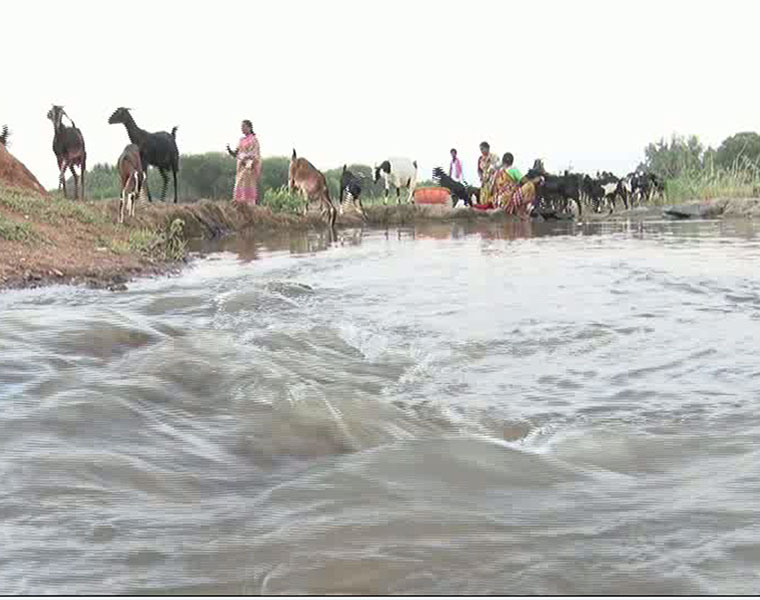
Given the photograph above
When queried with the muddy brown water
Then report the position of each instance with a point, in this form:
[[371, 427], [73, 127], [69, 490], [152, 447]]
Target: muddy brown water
[[445, 409]]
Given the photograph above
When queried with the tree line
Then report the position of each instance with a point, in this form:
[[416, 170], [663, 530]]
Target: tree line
[[686, 155], [212, 175]]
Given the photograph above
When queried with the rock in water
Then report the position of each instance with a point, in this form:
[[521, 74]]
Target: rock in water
[[690, 211]]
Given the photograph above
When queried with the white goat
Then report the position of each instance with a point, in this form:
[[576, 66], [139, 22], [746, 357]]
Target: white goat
[[399, 172]]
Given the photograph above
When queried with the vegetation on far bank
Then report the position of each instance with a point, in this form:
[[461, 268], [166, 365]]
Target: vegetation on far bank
[[693, 172], [211, 176], [690, 170]]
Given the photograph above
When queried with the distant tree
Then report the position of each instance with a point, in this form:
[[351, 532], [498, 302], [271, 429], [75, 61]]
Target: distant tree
[[274, 172], [670, 159], [738, 147], [212, 176]]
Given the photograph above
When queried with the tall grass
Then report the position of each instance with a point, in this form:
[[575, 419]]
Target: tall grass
[[740, 180]]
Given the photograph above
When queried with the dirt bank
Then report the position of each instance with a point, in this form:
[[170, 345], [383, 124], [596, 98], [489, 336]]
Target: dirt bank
[[14, 173], [46, 239]]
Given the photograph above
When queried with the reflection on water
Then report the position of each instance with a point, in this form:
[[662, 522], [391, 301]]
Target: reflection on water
[[520, 408]]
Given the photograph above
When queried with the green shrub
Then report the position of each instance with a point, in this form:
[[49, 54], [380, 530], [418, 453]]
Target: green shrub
[[280, 200], [13, 231]]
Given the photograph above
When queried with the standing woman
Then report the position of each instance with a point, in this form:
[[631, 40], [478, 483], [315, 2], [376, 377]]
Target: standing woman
[[488, 163], [248, 157]]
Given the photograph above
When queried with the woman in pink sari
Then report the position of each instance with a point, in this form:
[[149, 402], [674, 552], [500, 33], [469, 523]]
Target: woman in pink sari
[[248, 157]]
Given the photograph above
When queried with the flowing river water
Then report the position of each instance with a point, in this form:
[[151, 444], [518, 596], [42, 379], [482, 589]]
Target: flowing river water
[[445, 409]]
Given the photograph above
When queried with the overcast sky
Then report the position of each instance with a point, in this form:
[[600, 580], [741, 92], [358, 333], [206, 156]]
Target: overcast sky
[[583, 83]]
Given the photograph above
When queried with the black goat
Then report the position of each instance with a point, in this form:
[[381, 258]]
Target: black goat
[[647, 185], [4, 136], [554, 191], [592, 189], [352, 185], [158, 149], [459, 191]]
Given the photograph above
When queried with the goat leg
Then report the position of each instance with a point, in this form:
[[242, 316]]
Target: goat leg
[[76, 181], [82, 169], [62, 177], [174, 173], [147, 188], [333, 214], [165, 177]]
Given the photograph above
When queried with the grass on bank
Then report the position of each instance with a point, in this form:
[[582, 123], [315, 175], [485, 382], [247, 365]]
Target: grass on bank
[[741, 180], [13, 231], [53, 209], [279, 200], [167, 244], [162, 238]]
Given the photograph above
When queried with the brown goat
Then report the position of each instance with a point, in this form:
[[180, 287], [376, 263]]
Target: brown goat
[[305, 177], [68, 146], [132, 178]]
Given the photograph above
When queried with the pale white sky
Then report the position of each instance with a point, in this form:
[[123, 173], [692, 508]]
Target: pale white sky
[[580, 82]]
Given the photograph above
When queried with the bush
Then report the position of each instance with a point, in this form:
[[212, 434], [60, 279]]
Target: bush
[[13, 231], [280, 200]]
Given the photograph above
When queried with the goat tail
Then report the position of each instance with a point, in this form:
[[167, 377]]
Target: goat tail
[[414, 162], [294, 154], [174, 132]]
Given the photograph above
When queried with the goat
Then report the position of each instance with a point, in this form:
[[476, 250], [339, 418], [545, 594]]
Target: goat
[[613, 187], [646, 186], [351, 185], [401, 172], [132, 178], [459, 191], [158, 149], [306, 178], [69, 150], [4, 136], [556, 189], [593, 191]]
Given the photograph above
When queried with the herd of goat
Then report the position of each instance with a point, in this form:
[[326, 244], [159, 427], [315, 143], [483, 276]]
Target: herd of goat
[[554, 193]]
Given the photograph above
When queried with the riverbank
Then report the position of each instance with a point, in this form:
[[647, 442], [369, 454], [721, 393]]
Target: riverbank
[[48, 240]]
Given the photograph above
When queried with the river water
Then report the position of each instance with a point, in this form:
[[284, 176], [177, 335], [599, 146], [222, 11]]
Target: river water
[[450, 409]]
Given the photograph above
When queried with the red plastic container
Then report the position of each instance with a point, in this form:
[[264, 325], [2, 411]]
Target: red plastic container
[[432, 195]]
